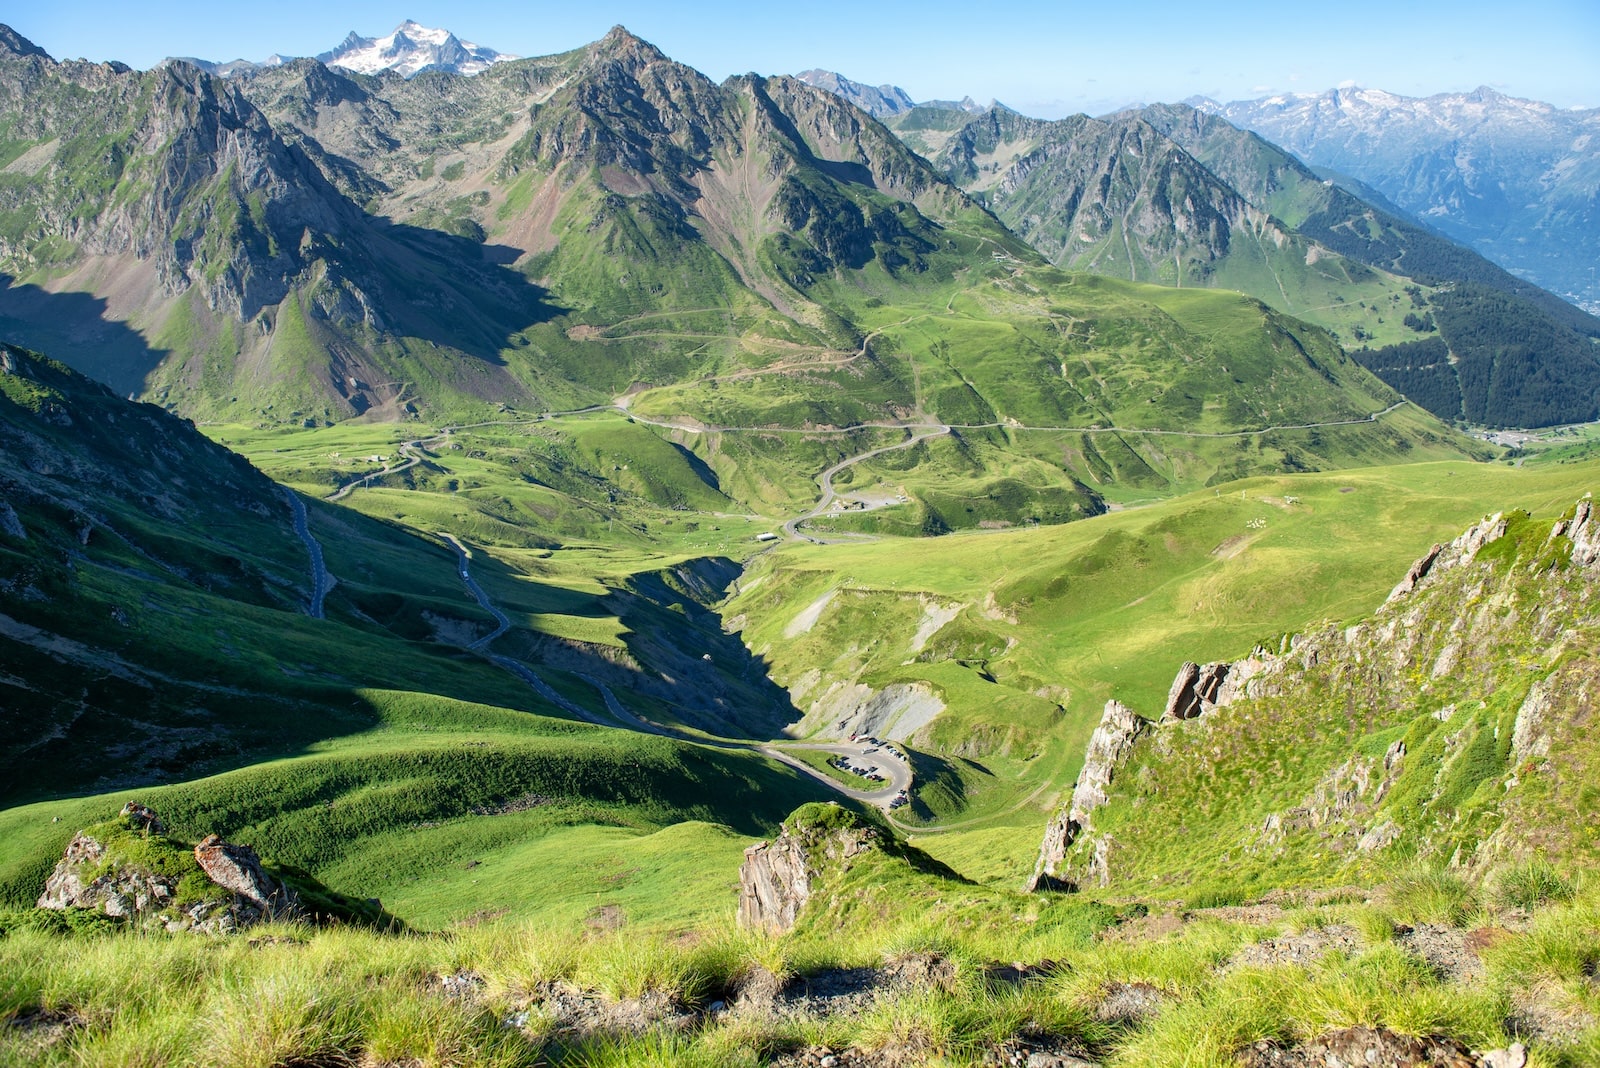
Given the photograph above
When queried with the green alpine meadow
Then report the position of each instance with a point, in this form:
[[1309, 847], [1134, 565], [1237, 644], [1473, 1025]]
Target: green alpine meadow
[[567, 561]]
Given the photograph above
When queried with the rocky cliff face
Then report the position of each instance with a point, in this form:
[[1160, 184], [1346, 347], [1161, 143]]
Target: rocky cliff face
[[224, 262], [1115, 196], [777, 878], [171, 167], [1109, 746], [1451, 725]]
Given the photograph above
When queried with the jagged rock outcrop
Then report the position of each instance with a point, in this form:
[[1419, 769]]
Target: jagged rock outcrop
[[1583, 532], [1119, 727], [1460, 551], [1194, 690], [1415, 573], [777, 877], [127, 869]]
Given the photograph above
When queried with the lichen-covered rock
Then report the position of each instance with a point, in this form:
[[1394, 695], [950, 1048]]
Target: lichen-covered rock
[[1529, 734], [83, 880], [237, 869], [777, 877]]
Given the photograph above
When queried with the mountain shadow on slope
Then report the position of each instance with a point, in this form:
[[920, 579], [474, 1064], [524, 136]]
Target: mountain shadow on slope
[[77, 326]]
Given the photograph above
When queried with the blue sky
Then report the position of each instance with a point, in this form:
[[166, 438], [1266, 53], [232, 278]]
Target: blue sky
[[1044, 58]]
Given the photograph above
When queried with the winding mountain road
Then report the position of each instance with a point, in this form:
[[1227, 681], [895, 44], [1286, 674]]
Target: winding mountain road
[[825, 480], [502, 621]]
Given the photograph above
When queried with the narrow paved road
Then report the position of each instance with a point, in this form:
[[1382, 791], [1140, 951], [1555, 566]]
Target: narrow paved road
[[502, 621], [542, 688], [825, 480], [321, 581]]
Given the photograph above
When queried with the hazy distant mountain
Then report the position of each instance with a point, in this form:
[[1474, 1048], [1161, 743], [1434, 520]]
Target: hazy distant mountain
[[232, 67], [1519, 180], [878, 100], [887, 101], [966, 104], [410, 49]]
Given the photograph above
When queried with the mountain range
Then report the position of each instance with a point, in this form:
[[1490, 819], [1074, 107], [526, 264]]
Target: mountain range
[[585, 564], [1514, 179], [1176, 196], [1518, 180], [304, 245]]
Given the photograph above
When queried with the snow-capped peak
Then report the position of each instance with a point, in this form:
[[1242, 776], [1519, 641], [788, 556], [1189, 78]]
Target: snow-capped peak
[[410, 48]]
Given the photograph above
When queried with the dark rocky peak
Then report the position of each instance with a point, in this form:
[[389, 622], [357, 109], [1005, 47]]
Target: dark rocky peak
[[619, 45], [13, 43], [352, 41], [835, 135], [320, 85]]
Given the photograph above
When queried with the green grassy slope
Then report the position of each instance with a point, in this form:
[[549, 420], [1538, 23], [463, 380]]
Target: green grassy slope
[[449, 810], [1046, 625], [155, 632]]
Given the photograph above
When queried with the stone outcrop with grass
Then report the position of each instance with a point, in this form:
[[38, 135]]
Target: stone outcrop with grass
[[128, 869], [1119, 728], [775, 880]]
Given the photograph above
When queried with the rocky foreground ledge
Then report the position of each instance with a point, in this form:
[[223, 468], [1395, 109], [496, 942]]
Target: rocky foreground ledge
[[130, 870]]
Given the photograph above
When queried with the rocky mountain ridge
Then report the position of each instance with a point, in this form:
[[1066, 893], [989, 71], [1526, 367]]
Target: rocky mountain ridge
[[878, 101], [224, 248], [1448, 727]]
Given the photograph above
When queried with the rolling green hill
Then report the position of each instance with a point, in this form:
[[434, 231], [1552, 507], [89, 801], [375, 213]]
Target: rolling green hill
[[158, 629], [1176, 196], [1521, 356]]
